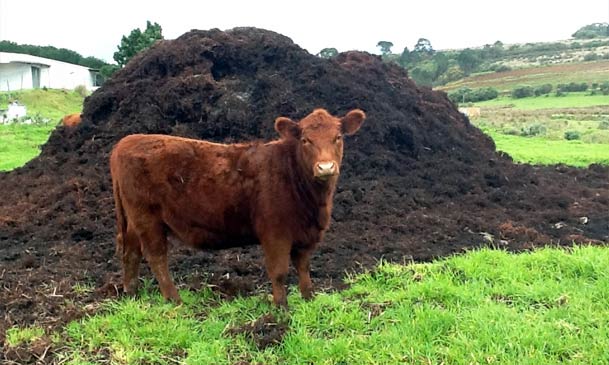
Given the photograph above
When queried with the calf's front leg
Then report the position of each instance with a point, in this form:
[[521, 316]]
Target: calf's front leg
[[277, 262], [301, 259]]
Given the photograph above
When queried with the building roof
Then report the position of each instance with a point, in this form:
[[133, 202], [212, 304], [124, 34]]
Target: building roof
[[7, 57]]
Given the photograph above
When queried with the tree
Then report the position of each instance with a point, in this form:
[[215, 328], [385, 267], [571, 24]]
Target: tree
[[136, 42], [405, 58], [453, 73], [423, 74], [594, 30], [107, 70], [423, 46], [441, 62], [385, 47], [328, 53], [468, 60]]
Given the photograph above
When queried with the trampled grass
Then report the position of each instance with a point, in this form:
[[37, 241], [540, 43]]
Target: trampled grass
[[543, 151], [485, 307]]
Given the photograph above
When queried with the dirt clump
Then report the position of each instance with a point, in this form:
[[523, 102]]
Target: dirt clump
[[263, 332], [419, 181]]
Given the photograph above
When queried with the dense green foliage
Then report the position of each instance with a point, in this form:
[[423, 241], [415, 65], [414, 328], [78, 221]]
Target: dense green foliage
[[136, 42], [53, 53], [543, 89], [522, 92], [572, 87], [547, 306], [595, 30], [467, 95]]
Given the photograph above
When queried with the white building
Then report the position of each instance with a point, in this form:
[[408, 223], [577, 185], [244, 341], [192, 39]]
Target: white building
[[22, 71]]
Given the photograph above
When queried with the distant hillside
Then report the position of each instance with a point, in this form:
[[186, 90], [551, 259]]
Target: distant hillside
[[436, 68], [562, 73]]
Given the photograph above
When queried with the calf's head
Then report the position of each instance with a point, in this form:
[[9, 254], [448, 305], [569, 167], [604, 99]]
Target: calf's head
[[319, 140]]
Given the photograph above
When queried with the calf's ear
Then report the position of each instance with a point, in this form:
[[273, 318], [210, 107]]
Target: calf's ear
[[351, 122], [287, 128]]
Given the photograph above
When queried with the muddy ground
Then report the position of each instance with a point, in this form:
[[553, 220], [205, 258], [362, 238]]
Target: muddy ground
[[418, 181]]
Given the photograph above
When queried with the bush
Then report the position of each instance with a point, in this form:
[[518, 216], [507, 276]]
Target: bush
[[603, 124], [572, 87], [604, 87], [467, 95], [511, 131], [522, 92], [498, 67], [591, 57], [485, 93], [572, 135], [543, 89], [534, 129], [81, 90]]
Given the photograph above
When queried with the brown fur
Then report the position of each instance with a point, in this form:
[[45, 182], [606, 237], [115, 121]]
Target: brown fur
[[210, 195], [71, 120]]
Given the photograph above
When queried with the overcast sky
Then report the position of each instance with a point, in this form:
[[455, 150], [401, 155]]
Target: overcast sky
[[94, 28]]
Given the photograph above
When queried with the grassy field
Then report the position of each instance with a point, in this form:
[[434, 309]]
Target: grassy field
[[571, 100], [544, 151], [485, 307], [511, 123], [589, 72], [52, 104], [19, 143]]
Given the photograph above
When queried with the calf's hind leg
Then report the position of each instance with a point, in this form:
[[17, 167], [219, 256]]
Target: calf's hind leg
[[131, 255], [154, 244]]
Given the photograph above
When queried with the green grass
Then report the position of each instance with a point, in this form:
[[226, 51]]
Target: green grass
[[19, 143], [571, 100], [52, 104], [543, 151], [18, 336], [486, 307]]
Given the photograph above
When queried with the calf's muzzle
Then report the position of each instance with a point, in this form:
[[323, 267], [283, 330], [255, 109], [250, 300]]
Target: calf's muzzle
[[326, 169]]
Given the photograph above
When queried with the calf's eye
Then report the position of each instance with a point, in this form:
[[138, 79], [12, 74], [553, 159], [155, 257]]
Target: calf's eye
[[338, 138]]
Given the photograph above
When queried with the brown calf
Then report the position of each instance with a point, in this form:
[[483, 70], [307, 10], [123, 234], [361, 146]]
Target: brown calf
[[71, 120], [210, 195]]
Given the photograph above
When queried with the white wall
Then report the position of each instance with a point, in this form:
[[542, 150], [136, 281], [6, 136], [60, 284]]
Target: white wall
[[16, 67], [15, 76]]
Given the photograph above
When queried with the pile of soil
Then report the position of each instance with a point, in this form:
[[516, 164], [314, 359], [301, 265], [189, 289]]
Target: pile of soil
[[418, 180]]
